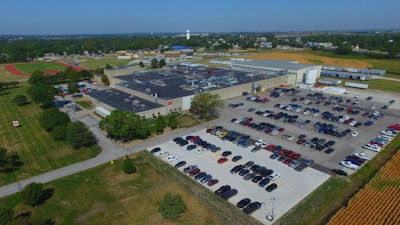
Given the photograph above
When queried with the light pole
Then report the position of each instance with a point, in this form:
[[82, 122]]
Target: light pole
[[270, 217]]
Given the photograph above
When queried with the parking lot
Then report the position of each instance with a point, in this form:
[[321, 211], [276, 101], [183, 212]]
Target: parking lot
[[293, 185]]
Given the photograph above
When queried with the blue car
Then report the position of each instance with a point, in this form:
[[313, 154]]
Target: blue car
[[368, 123], [264, 182], [191, 147], [244, 172]]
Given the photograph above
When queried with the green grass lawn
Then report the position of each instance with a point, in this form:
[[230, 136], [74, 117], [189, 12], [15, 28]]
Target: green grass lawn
[[38, 151], [106, 195], [43, 66], [84, 104], [96, 63], [376, 84]]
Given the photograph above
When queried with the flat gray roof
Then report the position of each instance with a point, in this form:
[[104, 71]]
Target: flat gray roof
[[273, 63]]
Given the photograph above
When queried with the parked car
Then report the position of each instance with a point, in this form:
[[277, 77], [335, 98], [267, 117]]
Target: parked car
[[274, 176], [339, 172], [236, 158], [222, 160], [226, 153], [229, 194], [252, 207], [271, 187], [222, 189], [243, 203], [180, 164], [349, 164], [212, 182], [155, 150]]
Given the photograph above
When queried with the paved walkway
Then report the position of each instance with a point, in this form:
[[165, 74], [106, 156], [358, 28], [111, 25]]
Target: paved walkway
[[110, 151]]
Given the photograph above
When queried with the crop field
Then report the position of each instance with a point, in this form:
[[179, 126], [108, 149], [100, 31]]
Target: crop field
[[378, 202], [307, 58], [43, 66], [106, 195], [39, 153]]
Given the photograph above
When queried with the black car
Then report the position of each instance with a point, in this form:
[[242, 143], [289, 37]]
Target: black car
[[236, 158], [236, 169], [329, 144], [180, 164], [228, 194], [339, 172], [226, 153], [271, 187], [244, 202], [155, 150], [264, 182], [200, 175], [329, 150], [222, 189], [252, 207], [248, 164], [256, 179]]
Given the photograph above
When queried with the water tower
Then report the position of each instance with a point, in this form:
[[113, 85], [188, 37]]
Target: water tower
[[187, 34]]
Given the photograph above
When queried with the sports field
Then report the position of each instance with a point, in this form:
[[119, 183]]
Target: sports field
[[43, 66]]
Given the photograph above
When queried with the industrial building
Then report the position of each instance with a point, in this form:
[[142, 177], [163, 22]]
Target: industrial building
[[173, 88], [350, 73]]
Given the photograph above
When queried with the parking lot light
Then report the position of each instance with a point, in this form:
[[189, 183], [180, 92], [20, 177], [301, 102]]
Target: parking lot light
[[270, 216]]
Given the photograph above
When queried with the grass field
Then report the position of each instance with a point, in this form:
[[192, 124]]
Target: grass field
[[105, 195], [84, 104], [43, 66], [96, 63], [38, 151]]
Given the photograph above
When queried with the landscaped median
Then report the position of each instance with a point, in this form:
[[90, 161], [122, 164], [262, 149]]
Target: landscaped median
[[336, 192]]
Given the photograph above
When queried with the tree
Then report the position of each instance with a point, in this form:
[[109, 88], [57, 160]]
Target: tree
[[141, 64], [6, 215], [105, 80], [79, 135], [43, 94], [172, 206], [162, 63], [344, 49], [52, 117], [108, 67], [205, 104], [32, 194], [20, 100], [160, 124], [125, 126], [9, 162], [73, 88], [154, 63], [128, 167], [37, 77], [59, 132]]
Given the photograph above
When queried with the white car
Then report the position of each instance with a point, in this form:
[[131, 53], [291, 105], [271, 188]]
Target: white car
[[348, 164], [201, 150], [238, 121], [362, 156], [172, 158], [355, 133], [356, 96], [274, 176], [163, 154], [373, 148], [306, 112], [259, 142], [373, 107], [388, 133], [264, 145], [352, 123]]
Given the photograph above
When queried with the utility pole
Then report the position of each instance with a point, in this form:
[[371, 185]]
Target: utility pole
[[271, 216]]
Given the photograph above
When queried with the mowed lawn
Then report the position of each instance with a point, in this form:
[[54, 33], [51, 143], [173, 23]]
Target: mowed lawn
[[39, 153], [43, 66], [96, 63], [106, 195], [6, 76]]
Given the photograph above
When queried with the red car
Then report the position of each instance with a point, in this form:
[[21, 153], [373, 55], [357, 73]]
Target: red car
[[222, 160], [194, 172], [283, 152], [365, 114], [296, 156], [395, 126], [208, 130], [195, 138], [270, 147], [301, 99], [280, 130], [301, 141], [212, 182], [290, 153], [287, 161]]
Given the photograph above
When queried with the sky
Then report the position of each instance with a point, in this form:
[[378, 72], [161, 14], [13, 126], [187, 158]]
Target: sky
[[57, 17]]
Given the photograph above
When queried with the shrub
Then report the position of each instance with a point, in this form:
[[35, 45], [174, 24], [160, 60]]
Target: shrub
[[6, 215], [32, 194], [128, 167], [172, 206]]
